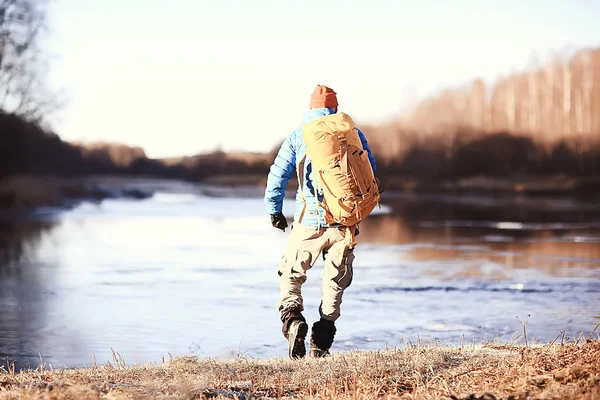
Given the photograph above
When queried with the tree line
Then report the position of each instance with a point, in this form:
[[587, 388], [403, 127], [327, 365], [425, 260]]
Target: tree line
[[554, 101], [549, 115]]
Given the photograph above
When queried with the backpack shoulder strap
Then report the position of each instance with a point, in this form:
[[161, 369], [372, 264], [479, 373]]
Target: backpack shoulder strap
[[301, 186]]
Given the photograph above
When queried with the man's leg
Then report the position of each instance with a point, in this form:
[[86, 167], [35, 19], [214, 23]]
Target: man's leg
[[303, 249], [337, 276]]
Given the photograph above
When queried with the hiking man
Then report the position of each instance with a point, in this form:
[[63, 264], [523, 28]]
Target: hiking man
[[311, 234]]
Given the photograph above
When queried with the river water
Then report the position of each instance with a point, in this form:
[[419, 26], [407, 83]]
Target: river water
[[193, 271]]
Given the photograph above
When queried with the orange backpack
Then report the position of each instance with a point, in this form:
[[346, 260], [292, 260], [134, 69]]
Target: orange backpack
[[341, 168]]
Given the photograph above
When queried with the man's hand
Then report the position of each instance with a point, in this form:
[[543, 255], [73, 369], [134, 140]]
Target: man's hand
[[278, 221]]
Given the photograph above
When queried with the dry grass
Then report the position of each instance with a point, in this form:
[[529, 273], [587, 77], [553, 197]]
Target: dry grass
[[19, 192], [552, 371], [22, 192]]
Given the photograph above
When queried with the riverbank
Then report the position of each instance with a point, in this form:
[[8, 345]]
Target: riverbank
[[24, 193], [551, 371], [552, 185]]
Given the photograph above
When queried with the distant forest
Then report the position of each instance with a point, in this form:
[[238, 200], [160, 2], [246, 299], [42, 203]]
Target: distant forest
[[542, 121]]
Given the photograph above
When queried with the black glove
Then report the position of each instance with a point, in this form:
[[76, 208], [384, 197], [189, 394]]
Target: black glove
[[278, 221]]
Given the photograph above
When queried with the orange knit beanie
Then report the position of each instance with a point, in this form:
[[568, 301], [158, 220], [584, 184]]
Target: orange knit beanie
[[323, 97]]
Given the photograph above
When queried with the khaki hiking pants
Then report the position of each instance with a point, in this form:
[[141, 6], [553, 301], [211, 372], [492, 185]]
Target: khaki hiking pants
[[304, 246]]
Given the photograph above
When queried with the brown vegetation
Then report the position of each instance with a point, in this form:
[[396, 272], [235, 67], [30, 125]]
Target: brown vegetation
[[214, 164], [118, 154], [548, 103], [539, 122], [26, 192], [552, 371], [23, 193], [28, 149]]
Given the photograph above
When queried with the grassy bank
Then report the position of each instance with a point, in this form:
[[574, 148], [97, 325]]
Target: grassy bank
[[22, 193], [552, 371]]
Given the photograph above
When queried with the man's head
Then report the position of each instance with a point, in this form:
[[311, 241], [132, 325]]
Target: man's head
[[323, 97]]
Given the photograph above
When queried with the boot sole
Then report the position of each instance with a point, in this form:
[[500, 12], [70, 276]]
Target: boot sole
[[318, 353], [296, 338]]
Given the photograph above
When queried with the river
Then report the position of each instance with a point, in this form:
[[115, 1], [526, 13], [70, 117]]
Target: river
[[192, 270]]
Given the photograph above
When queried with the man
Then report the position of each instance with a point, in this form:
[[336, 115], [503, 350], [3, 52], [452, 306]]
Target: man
[[309, 238]]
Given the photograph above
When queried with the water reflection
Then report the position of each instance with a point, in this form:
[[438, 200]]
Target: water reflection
[[551, 240], [17, 238], [23, 287]]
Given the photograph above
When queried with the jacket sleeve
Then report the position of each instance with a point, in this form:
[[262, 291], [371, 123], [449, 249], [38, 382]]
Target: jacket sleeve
[[365, 145], [279, 175]]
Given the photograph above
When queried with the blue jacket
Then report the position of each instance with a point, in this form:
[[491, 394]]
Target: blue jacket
[[289, 156]]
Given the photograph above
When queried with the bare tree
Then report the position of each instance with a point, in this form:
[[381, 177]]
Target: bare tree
[[478, 106], [22, 64]]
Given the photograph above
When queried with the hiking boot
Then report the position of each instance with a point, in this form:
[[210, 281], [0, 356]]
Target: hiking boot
[[296, 334], [321, 338], [315, 352]]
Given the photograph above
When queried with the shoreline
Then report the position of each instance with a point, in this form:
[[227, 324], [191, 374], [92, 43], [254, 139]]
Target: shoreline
[[484, 185], [22, 194], [550, 371], [26, 193]]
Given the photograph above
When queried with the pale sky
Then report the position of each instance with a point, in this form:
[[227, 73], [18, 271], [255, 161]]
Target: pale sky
[[180, 77]]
